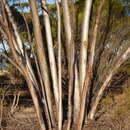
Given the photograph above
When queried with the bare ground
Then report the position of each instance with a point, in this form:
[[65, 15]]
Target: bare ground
[[113, 115], [25, 119], [22, 119]]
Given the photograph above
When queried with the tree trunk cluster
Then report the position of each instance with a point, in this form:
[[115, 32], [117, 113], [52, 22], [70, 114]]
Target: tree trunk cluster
[[46, 89]]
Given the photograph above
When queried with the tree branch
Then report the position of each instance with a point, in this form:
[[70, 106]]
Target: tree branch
[[121, 60]]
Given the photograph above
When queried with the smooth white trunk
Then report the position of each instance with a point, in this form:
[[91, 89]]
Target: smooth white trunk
[[70, 57], [84, 41], [60, 113], [67, 27], [77, 95], [42, 57], [51, 53]]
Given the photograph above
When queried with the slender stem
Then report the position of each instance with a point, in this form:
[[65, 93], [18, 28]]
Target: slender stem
[[89, 71], [84, 41], [60, 113], [51, 53]]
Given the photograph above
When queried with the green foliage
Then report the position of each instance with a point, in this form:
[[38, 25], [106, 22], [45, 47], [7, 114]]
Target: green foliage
[[79, 11], [122, 102], [107, 101], [117, 8]]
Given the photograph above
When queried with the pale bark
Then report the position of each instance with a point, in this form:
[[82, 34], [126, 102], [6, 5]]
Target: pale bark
[[84, 41], [30, 85], [44, 101], [89, 72], [18, 39], [120, 61], [76, 92], [70, 56], [60, 108], [76, 88], [67, 27], [36, 102], [51, 53], [41, 56], [22, 68], [28, 65], [31, 73], [4, 30], [11, 41], [20, 64], [71, 87], [77, 95]]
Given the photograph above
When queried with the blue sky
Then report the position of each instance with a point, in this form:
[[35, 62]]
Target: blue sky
[[50, 1], [1, 47]]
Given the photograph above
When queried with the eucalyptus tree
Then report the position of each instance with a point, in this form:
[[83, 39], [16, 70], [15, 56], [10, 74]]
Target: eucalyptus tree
[[47, 89]]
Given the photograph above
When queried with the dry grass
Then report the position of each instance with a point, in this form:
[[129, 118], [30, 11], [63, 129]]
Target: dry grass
[[23, 119]]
